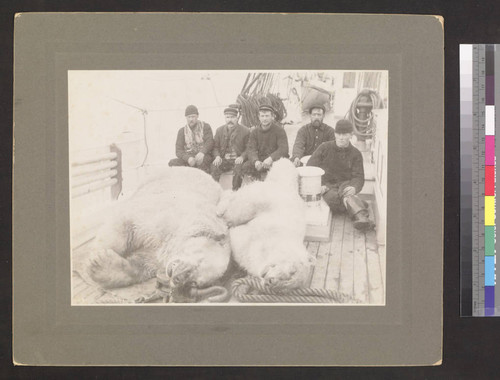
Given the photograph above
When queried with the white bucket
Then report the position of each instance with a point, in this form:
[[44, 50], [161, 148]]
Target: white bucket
[[310, 184]]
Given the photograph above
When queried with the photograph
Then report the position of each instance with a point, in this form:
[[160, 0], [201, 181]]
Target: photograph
[[228, 187], [234, 189]]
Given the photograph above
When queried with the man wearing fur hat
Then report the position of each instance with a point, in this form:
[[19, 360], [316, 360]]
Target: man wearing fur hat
[[312, 135], [230, 144], [344, 175], [267, 143], [194, 143]]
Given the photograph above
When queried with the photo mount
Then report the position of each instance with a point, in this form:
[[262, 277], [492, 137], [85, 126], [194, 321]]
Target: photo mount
[[412, 51]]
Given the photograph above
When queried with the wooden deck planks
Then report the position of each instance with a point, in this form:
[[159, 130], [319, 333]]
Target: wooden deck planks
[[375, 282], [360, 270], [325, 251], [347, 260], [322, 258], [89, 294], [320, 268], [335, 253], [78, 284], [381, 258], [312, 248]]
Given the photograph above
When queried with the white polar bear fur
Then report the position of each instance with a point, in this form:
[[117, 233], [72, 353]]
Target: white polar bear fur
[[170, 218], [267, 221]]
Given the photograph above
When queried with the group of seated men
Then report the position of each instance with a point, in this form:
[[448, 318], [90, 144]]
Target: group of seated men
[[251, 152]]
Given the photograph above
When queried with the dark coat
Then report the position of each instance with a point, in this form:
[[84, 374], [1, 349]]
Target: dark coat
[[208, 143], [271, 143], [340, 165], [221, 141], [309, 138]]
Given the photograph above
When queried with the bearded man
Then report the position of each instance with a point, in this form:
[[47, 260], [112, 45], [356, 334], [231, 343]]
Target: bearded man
[[194, 143], [312, 135]]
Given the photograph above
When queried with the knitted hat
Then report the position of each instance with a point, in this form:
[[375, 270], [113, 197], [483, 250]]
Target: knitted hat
[[191, 110], [343, 126], [231, 111], [265, 107], [318, 106]]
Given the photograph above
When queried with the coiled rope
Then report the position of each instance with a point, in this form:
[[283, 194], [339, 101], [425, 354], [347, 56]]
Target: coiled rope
[[243, 286], [364, 128], [171, 294]]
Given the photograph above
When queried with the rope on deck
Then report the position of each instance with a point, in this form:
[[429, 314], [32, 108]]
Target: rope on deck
[[170, 294], [243, 286]]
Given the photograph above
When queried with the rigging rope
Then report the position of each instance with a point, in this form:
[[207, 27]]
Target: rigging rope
[[243, 286], [249, 106], [256, 92], [144, 112]]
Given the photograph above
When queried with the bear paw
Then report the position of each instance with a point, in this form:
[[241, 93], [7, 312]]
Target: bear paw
[[110, 270]]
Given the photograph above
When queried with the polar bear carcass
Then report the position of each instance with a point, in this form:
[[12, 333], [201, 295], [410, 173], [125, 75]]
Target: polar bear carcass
[[169, 223], [267, 228]]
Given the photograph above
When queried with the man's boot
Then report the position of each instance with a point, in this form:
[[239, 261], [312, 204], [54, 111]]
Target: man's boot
[[358, 211], [362, 222]]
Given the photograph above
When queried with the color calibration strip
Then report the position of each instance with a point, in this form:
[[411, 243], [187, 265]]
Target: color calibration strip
[[478, 84]]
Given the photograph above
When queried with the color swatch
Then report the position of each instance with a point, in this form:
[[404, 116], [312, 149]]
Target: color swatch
[[479, 84]]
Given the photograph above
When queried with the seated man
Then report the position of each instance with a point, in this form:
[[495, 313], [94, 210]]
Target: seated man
[[312, 135], [344, 175], [230, 144], [194, 143], [267, 143]]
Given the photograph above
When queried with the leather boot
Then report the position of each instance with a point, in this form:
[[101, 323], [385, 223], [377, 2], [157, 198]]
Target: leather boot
[[361, 221], [357, 210]]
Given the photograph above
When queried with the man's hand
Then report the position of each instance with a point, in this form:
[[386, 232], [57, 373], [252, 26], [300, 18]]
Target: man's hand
[[191, 161], [217, 161], [324, 189], [258, 165], [348, 191], [239, 160], [296, 161], [268, 162], [199, 158]]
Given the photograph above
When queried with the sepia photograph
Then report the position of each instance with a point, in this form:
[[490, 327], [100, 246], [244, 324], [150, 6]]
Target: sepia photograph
[[228, 187]]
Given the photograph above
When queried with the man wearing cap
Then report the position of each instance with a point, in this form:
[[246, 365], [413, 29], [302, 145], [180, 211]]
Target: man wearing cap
[[312, 135], [230, 144], [344, 175], [194, 142], [266, 144]]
